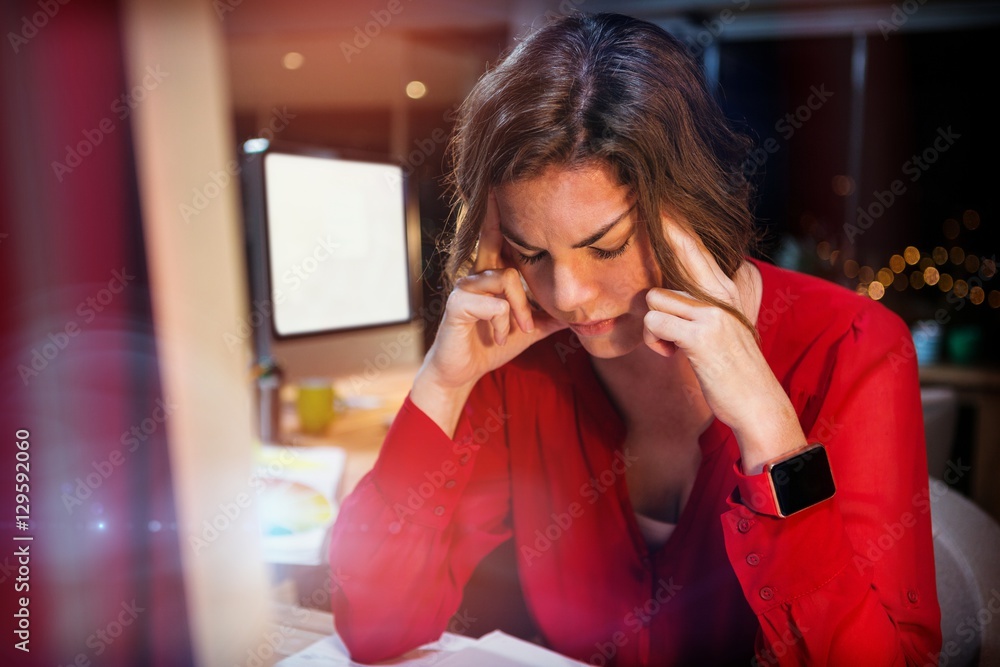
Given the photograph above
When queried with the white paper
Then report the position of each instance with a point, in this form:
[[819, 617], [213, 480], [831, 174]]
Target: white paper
[[331, 651], [496, 649]]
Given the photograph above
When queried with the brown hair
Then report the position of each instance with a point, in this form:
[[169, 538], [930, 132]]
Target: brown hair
[[613, 90]]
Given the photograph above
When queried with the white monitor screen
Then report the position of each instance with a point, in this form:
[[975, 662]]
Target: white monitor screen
[[336, 234]]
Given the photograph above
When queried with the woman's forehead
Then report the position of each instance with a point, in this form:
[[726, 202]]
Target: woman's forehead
[[564, 206]]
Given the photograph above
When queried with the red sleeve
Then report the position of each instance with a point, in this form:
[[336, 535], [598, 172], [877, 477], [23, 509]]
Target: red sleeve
[[408, 537], [851, 580]]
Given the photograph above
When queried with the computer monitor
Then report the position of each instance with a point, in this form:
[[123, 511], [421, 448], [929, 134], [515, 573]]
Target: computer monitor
[[327, 245]]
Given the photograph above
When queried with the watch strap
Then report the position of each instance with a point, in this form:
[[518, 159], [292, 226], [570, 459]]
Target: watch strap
[[756, 491], [789, 483]]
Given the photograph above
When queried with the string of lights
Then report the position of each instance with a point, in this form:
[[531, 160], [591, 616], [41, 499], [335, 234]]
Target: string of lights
[[916, 269]]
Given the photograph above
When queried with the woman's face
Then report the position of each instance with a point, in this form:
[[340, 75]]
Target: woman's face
[[575, 236]]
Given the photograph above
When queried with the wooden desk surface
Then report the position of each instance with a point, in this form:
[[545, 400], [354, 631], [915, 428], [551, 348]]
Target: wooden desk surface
[[368, 406], [294, 628]]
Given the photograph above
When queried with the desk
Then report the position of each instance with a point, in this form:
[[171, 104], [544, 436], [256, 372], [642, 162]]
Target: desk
[[359, 430], [979, 389], [292, 629]]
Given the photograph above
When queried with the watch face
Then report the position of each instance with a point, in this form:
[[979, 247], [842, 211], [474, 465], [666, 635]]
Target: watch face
[[802, 481]]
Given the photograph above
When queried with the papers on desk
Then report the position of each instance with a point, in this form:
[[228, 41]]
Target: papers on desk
[[501, 650], [297, 500], [496, 649]]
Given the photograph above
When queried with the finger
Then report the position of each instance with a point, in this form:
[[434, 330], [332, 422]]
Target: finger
[[665, 333], [674, 302], [505, 282], [697, 261], [661, 347], [545, 325], [490, 239], [470, 307], [501, 324]]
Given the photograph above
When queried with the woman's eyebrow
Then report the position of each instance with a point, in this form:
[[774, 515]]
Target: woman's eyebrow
[[593, 238]]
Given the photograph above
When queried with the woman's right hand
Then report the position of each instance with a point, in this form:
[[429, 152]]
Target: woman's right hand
[[487, 321]]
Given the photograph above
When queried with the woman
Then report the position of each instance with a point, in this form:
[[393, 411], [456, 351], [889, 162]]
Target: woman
[[612, 375]]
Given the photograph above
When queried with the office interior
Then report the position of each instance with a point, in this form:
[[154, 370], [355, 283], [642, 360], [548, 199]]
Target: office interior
[[142, 362]]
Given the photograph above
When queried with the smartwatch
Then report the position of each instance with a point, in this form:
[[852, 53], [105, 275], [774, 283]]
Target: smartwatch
[[789, 484]]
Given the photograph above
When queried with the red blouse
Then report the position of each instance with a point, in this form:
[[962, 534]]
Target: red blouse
[[537, 457]]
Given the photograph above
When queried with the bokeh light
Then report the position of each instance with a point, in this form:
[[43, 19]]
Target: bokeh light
[[988, 269], [970, 219], [842, 185], [950, 229], [416, 89], [293, 60]]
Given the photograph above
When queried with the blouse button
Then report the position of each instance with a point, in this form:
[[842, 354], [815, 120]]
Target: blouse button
[[450, 484], [766, 593], [743, 525], [912, 596], [439, 510], [753, 560], [464, 459]]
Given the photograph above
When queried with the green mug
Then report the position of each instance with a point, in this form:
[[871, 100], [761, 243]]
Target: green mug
[[315, 405]]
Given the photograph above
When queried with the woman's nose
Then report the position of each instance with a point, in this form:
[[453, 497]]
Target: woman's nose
[[572, 288]]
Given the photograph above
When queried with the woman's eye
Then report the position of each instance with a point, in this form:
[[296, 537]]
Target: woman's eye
[[611, 254], [529, 259]]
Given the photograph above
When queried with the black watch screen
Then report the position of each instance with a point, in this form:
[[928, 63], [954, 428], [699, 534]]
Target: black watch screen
[[802, 481]]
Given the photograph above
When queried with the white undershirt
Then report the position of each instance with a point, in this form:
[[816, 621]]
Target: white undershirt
[[656, 533]]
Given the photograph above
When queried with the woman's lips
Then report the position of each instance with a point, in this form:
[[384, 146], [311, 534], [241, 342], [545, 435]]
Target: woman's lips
[[595, 328]]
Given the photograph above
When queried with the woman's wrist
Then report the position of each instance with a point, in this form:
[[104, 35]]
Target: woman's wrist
[[442, 403], [776, 431]]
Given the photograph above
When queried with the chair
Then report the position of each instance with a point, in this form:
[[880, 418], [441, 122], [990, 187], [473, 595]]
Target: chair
[[967, 560], [940, 408]]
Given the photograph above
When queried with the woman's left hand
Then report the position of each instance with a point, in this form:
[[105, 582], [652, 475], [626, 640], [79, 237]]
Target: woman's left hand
[[736, 381]]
